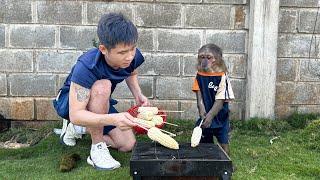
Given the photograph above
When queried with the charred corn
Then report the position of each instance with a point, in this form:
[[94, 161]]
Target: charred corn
[[154, 110], [155, 134], [196, 136], [158, 120]]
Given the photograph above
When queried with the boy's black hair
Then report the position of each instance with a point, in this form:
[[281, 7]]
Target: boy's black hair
[[115, 28]]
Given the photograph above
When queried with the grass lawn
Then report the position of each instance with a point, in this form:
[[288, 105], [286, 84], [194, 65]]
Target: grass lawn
[[289, 157]]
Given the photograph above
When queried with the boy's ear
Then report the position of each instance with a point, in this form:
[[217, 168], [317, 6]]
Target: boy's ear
[[103, 49]]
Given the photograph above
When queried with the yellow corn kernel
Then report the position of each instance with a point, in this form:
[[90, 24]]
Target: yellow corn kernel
[[155, 134], [158, 120], [196, 136]]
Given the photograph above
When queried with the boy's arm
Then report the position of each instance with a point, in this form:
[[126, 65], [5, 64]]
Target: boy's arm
[[133, 84], [79, 115]]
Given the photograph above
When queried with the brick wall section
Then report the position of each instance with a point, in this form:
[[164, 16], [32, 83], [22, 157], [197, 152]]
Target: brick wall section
[[298, 77], [40, 41]]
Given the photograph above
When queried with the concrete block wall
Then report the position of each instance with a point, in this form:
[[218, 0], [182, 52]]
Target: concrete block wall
[[40, 41], [298, 77]]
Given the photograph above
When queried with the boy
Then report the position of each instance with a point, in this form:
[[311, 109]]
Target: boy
[[85, 98]]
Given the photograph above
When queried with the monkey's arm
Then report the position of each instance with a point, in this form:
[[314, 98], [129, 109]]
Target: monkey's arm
[[200, 105], [217, 106]]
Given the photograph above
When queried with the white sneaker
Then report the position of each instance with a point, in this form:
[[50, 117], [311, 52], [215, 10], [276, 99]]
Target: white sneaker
[[68, 134], [101, 159]]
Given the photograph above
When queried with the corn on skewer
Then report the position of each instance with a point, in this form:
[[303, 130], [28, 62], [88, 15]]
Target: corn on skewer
[[154, 110], [196, 135], [143, 123], [155, 134]]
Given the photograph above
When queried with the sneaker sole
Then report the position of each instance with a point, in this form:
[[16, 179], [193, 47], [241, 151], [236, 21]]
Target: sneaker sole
[[89, 161]]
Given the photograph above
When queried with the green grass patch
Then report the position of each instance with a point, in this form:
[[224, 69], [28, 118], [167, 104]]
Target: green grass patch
[[293, 155]]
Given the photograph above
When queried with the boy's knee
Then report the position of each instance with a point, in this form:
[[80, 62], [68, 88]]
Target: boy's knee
[[101, 87], [128, 146]]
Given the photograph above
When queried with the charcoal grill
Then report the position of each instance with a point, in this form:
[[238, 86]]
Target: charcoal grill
[[150, 160]]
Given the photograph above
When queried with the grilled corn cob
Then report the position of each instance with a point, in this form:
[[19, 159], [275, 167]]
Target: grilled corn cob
[[158, 120], [154, 110], [196, 136], [155, 134]]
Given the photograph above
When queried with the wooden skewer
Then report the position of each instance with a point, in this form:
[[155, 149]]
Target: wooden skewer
[[169, 111], [171, 124], [142, 125]]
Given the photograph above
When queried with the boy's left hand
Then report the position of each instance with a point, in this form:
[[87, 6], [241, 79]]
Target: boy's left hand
[[142, 100]]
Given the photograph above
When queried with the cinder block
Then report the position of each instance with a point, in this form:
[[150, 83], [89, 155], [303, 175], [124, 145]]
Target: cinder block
[[306, 21], [96, 9], [215, 16], [161, 64], [32, 36], [45, 109], [146, 85], [145, 41], [288, 19], [236, 64], [239, 89], [229, 41], [226, 1], [3, 82], [15, 11], [190, 110], [56, 61], [297, 45], [59, 12], [17, 108], [284, 111], [309, 70], [286, 69], [179, 40], [299, 3], [72, 37], [189, 65], [158, 15], [16, 61], [298, 93], [308, 109], [237, 110], [180, 1], [123, 105], [61, 79], [32, 85], [2, 36], [168, 105], [174, 88]]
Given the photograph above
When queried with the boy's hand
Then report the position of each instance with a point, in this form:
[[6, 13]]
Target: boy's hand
[[142, 100], [123, 121]]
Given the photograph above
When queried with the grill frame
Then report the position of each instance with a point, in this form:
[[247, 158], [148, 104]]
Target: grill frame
[[153, 160]]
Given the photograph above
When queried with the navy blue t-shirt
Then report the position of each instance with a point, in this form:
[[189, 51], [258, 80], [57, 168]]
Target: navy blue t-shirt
[[91, 66]]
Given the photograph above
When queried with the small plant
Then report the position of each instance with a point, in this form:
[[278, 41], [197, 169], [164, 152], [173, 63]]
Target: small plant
[[311, 135], [300, 121]]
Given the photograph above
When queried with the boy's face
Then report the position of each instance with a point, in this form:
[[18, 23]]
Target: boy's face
[[119, 57], [206, 61]]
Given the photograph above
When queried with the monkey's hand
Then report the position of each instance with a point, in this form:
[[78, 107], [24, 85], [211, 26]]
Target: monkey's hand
[[207, 121], [217, 106]]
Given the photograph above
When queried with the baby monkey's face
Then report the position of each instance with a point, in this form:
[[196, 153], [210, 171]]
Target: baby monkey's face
[[206, 61]]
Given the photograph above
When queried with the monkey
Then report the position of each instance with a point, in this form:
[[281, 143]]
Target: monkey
[[213, 92]]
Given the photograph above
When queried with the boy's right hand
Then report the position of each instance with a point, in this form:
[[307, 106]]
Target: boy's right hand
[[123, 120]]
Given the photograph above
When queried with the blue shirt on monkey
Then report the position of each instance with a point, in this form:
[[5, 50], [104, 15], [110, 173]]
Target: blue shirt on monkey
[[213, 86]]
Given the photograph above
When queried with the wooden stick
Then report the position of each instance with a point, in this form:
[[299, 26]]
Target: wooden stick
[[169, 133], [171, 124], [169, 111]]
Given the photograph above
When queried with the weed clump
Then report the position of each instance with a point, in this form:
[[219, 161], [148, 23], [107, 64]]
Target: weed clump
[[311, 134]]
